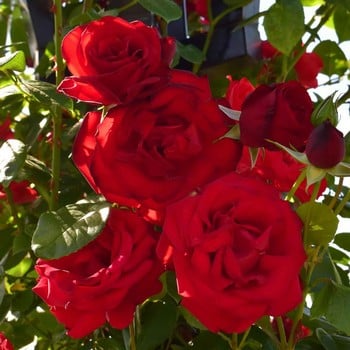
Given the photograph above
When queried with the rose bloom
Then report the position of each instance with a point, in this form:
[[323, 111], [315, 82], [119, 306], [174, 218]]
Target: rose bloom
[[237, 91], [279, 112], [5, 131], [156, 151], [307, 67], [5, 344], [21, 191], [114, 61], [237, 251], [280, 170], [106, 279]]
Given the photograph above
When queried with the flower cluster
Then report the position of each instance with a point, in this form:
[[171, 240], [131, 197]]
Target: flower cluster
[[185, 194]]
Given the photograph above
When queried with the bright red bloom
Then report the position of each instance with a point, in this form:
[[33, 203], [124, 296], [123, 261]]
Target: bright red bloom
[[237, 92], [5, 132], [105, 280], [114, 61], [5, 344], [237, 251], [21, 191], [280, 112], [159, 150]]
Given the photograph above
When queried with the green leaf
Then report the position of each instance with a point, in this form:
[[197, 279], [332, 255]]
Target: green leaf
[[46, 94], [70, 228], [158, 321], [280, 18], [312, 2], [208, 340], [343, 240], [12, 157], [13, 61], [334, 59], [320, 223], [341, 20], [333, 302], [167, 9], [20, 269], [190, 53], [326, 339], [325, 110]]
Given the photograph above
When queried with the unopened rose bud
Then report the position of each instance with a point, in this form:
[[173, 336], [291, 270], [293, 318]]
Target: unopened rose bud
[[325, 147]]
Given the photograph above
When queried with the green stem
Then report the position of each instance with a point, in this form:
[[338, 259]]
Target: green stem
[[342, 204], [296, 185], [315, 191], [234, 341], [87, 5], [14, 211], [57, 115], [333, 202], [244, 338], [125, 7], [132, 336], [281, 332]]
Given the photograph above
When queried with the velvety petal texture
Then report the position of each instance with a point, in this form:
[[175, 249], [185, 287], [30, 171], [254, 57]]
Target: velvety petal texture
[[105, 280], [237, 252], [114, 61], [156, 151], [279, 112]]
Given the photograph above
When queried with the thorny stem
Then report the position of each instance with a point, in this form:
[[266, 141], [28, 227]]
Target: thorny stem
[[57, 116], [234, 341], [296, 185], [333, 202], [87, 5], [125, 7]]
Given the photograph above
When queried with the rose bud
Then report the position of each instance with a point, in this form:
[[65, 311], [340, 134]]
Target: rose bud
[[325, 147]]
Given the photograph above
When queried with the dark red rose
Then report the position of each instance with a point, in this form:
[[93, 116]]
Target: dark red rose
[[159, 150], [325, 147], [105, 280], [5, 131], [237, 251], [280, 170], [114, 61], [300, 332], [280, 112], [5, 344], [237, 92]]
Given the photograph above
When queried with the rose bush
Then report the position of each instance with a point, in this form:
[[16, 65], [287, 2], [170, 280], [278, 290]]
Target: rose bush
[[105, 280], [246, 262], [158, 150], [132, 61]]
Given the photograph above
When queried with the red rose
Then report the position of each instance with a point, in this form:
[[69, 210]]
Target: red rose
[[280, 170], [280, 112], [21, 191], [158, 150], [114, 61], [237, 252], [5, 132], [105, 280], [237, 92], [5, 343], [325, 147]]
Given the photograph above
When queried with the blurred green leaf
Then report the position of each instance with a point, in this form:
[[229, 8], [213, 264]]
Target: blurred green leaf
[[12, 157], [334, 59], [13, 61], [166, 9], [343, 240], [326, 340], [207, 340], [190, 53], [320, 223], [21, 269], [341, 23], [68, 229], [281, 17]]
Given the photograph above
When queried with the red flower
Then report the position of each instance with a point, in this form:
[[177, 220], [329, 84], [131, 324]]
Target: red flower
[[237, 92], [325, 147], [21, 191], [159, 150], [307, 67], [114, 61], [5, 344], [5, 132], [237, 252], [280, 112], [105, 280], [280, 170]]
